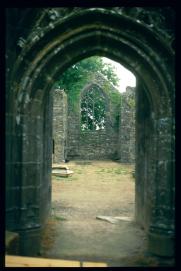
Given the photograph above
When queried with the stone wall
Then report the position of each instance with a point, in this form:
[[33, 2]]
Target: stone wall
[[59, 125], [97, 144], [127, 127], [73, 134], [111, 143], [101, 144]]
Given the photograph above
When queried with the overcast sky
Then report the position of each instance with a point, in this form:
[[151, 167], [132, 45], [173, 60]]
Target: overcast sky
[[127, 78]]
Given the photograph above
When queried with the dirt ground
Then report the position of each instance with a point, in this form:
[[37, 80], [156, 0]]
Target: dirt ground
[[96, 188]]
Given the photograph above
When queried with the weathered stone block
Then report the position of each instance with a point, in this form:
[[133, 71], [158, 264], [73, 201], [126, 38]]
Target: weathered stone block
[[161, 243], [30, 242]]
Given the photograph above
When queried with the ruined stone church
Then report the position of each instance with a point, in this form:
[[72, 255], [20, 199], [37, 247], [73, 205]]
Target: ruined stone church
[[41, 43]]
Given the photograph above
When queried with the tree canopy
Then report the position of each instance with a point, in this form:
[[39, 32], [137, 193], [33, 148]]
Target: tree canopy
[[78, 75], [81, 71]]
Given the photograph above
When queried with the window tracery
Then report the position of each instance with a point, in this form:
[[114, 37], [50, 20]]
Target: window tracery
[[93, 109]]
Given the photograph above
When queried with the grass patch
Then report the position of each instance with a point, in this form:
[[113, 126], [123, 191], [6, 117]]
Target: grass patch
[[66, 179], [57, 178], [72, 178], [78, 171], [121, 171], [102, 170], [54, 216], [83, 162], [59, 218], [114, 171]]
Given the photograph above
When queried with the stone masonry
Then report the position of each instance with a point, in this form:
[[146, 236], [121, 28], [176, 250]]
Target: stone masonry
[[96, 144], [127, 127], [59, 125]]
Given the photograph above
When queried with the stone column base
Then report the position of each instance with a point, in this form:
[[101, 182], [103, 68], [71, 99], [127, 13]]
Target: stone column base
[[12, 243], [161, 242], [30, 241]]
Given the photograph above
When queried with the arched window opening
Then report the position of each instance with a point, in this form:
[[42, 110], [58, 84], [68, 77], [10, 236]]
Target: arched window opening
[[93, 110]]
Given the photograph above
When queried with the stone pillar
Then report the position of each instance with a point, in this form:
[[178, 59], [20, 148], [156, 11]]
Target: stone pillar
[[29, 193], [46, 185], [30, 183], [59, 126], [145, 158], [73, 135], [161, 235], [31, 177], [127, 127], [154, 202]]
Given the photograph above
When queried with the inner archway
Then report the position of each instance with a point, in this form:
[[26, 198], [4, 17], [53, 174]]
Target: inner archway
[[100, 186]]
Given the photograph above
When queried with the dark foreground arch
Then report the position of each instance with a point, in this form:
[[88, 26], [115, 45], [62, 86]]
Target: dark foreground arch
[[31, 73]]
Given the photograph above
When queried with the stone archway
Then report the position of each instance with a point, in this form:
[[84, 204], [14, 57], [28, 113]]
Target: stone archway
[[46, 53]]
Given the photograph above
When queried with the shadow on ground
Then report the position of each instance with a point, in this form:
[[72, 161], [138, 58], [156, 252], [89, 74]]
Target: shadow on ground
[[99, 188]]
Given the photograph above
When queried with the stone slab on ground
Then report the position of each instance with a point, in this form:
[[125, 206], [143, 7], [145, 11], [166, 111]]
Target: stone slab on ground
[[61, 170], [114, 219]]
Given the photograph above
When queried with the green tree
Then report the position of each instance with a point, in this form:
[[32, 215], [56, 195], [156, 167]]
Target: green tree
[[83, 69], [75, 77]]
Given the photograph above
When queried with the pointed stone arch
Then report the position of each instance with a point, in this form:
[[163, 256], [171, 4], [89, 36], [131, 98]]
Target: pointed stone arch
[[45, 55]]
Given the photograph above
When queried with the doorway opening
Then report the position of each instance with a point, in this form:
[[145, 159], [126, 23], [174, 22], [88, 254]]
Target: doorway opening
[[96, 202]]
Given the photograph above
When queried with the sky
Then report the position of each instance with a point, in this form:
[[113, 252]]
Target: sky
[[127, 78]]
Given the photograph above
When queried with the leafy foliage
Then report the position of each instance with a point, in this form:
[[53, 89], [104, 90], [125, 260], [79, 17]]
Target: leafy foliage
[[75, 78], [83, 69]]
